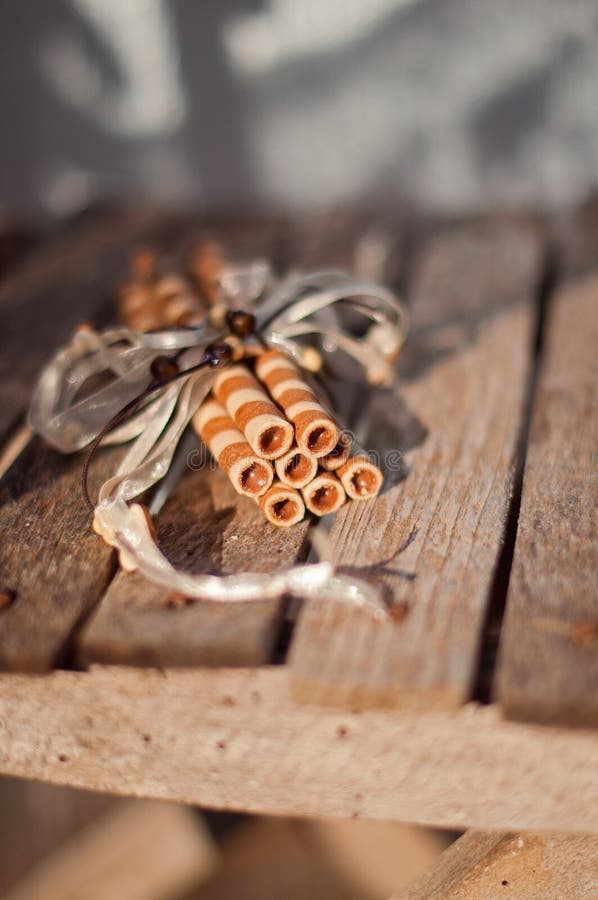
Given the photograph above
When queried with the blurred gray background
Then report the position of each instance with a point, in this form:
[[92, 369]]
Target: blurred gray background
[[455, 105]]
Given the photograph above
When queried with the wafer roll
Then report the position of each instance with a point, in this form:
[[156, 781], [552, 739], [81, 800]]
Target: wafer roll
[[264, 426], [360, 478], [282, 505], [176, 301], [315, 431], [339, 455], [249, 474], [325, 494], [296, 468]]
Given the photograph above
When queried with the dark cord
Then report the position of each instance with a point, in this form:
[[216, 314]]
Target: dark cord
[[210, 358]]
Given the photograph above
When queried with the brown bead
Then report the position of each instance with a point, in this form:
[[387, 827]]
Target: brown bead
[[218, 354], [240, 323]]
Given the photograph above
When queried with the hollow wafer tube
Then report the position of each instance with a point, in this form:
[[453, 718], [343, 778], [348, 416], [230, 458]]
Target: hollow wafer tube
[[315, 431], [296, 468], [264, 426], [339, 455], [282, 505], [249, 474], [360, 478], [325, 494]]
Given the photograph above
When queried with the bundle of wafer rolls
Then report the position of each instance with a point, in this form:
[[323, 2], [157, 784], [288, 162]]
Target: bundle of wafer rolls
[[262, 422], [275, 441]]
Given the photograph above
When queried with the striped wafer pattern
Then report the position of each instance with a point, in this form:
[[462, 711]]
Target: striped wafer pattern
[[249, 474], [265, 428], [316, 433], [339, 455]]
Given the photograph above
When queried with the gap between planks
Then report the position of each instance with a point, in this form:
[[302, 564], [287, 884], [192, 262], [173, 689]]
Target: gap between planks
[[548, 661]]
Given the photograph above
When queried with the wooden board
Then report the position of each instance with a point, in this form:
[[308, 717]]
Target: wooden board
[[235, 739], [205, 527], [50, 559], [448, 439], [548, 664], [483, 865]]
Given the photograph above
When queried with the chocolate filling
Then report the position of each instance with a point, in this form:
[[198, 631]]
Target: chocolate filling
[[254, 477], [272, 439], [297, 468], [284, 509], [364, 482], [319, 439], [325, 497]]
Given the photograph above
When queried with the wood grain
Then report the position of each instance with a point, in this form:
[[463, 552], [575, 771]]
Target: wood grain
[[50, 559], [548, 662], [235, 739], [447, 440], [482, 865]]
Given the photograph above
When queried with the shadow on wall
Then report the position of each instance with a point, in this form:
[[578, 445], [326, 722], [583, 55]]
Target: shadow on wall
[[456, 104]]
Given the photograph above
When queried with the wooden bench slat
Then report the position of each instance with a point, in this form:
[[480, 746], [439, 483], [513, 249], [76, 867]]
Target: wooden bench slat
[[481, 865], [49, 556], [459, 411], [236, 739], [548, 656]]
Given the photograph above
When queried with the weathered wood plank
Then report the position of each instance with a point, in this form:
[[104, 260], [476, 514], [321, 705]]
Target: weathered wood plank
[[548, 656], [236, 739], [50, 559], [206, 527], [432, 538], [482, 865]]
